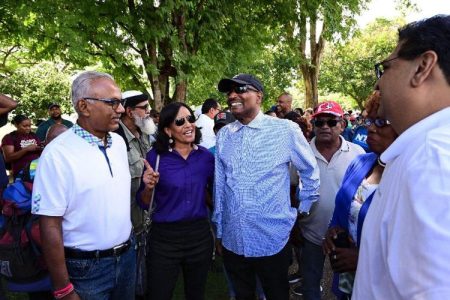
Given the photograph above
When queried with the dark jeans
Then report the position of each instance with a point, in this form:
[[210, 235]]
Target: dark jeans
[[271, 270], [108, 278], [185, 246], [312, 260]]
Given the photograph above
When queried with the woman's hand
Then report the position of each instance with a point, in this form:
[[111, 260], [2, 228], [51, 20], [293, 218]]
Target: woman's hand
[[32, 148], [328, 244], [150, 177], [345, 259]]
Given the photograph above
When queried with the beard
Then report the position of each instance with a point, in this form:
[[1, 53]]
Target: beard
[[145, 124]]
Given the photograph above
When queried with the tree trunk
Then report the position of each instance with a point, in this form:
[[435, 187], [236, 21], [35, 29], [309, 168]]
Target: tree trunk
[[310, 81], [180, 91]]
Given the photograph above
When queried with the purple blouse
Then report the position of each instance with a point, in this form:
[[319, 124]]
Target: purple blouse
[[180, 194]]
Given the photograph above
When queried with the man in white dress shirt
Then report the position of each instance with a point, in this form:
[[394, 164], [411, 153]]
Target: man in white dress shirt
[[405, 241], [205, 121]]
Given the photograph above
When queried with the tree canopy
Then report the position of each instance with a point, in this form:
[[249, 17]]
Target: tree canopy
[[348, 68]]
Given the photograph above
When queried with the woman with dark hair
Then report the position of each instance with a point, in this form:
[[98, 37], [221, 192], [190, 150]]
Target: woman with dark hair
[[178, 174], [21, 146], [353, 199]]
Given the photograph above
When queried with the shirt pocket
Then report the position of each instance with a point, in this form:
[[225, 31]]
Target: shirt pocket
[[135, 163]]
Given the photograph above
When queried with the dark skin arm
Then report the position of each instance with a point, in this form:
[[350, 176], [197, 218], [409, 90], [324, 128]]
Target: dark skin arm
[[53, 251], [10, 155], [6, 104], [343, 259]]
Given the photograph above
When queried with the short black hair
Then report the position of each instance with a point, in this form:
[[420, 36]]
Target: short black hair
[[19, 119], [428, 34], [208, 104], [166, 118]]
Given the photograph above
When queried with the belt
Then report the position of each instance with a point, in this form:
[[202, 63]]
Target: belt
[[80, 254]]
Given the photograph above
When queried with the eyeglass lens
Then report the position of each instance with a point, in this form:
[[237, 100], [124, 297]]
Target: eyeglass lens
[[181, 121], [330, 123]]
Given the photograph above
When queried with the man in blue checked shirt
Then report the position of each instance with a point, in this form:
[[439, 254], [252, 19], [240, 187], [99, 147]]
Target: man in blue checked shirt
[[253, 212]]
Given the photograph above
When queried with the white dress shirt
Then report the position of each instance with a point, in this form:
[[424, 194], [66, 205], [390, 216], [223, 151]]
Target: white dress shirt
[[405, 241]]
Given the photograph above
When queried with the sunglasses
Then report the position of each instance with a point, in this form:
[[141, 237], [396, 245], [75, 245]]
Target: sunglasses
[[379, 67], [240, 89], [320, 123], [113, 102], [180, 122], [144, 107], [377, 122]]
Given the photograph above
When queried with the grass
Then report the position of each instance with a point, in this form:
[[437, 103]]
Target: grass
[[216, 286]]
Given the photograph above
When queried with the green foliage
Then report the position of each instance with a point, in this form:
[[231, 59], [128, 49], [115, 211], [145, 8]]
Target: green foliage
[[348, 68], [36, 87]]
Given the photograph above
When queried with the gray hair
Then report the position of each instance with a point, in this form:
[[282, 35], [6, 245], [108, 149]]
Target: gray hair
[[82, 84]]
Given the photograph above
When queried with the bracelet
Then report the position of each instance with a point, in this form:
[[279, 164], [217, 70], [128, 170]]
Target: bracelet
[[61, 293]]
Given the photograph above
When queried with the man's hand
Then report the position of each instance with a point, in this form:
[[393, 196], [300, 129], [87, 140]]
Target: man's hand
[[150, 177]]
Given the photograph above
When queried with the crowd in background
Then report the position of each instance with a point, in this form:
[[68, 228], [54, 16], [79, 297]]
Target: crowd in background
[[128, 198]]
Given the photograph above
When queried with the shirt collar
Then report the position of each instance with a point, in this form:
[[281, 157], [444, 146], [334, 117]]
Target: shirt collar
[[408, 137], [256, 123], [90, 138]]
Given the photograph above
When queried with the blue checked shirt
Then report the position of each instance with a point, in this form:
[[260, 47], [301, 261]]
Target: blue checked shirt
[[253, 212], [90, 138]]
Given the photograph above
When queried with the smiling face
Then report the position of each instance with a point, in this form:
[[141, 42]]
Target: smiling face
[[184, 134], [55, 112], [98, 117], [245, 106]]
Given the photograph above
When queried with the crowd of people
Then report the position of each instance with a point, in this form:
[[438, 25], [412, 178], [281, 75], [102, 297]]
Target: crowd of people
[[129, 198]]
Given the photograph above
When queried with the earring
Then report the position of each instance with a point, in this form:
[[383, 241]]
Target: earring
[[170, 143]]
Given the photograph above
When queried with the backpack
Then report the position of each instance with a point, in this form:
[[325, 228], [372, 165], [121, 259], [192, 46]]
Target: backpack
[[20, 257]]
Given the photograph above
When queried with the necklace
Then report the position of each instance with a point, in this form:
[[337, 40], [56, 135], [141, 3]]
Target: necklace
[[382, 164]]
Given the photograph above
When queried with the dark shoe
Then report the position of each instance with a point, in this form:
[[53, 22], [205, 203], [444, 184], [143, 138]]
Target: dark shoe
[[294, 278], [298, 290]]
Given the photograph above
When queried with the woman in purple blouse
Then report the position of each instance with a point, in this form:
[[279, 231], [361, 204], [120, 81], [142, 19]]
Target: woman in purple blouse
[[180, 236]]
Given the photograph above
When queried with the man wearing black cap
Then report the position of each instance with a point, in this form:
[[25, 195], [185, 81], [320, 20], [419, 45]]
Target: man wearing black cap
[[54, 111], [253, 210]]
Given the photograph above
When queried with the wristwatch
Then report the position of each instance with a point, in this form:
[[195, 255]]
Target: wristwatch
[[303, 214]]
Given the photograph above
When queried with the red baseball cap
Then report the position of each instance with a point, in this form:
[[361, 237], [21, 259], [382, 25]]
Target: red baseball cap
[[328, 107]]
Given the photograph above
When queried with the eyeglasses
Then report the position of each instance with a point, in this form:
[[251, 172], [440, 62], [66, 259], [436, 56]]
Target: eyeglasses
[[377, 122], [240, 89], [144, 107], [113, 102], [379, 67], [320, 123], [180, 122]]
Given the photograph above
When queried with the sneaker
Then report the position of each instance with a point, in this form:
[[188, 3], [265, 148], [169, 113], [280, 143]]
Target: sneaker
[[298, 290], [294, 278]]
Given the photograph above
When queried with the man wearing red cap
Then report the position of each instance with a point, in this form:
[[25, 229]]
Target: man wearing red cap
[[333, 154]]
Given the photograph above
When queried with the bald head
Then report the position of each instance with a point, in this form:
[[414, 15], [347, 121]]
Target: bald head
[[54, 131]]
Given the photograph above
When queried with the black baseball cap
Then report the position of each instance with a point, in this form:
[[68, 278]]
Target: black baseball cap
[[53, 105], [226, 84]]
